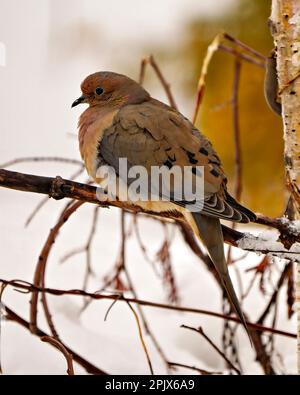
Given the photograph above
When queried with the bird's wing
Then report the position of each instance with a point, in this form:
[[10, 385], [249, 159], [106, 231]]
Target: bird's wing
[[153, 134]]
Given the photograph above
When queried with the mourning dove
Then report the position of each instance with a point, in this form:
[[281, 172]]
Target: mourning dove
[[124, 121]]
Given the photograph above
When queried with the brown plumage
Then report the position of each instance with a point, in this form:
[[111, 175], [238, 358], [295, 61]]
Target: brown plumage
[[122, 120]]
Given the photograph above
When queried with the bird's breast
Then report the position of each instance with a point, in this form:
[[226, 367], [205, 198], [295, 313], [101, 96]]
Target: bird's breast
[[92, 124]]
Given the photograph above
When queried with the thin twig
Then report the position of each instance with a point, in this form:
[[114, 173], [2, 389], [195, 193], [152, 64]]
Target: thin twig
[[141, 337], [88, 247], [134, 293], [151, 61], [245, 47], [274, 296], [212, 48], [228, 332], [236, 130], [111, 306], [242, 56], [143, 66], [90, 368], [142, 245], [41, 266], [201, 371], [79, 292], [57, 344], [200, 330]]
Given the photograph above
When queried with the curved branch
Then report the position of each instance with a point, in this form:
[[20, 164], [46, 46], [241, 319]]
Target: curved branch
[[90, 368], [39, 276], [68, 356]]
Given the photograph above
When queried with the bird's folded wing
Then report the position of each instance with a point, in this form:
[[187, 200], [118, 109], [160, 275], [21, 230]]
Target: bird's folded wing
[[153, 134]]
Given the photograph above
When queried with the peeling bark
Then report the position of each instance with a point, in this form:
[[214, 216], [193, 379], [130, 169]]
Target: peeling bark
[[285, 28]]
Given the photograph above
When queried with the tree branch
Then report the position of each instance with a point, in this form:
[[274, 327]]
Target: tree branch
[[28, 287], [90, 368], [59, 188], [57, 344]]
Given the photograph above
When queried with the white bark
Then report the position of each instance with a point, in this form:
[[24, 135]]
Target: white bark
[[285, 27]]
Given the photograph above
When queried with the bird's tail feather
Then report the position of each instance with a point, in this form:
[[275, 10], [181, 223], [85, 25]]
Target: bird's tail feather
[[210, 232]]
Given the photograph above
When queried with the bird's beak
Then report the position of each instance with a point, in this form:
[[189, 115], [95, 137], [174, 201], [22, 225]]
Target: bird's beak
[[81, 99]]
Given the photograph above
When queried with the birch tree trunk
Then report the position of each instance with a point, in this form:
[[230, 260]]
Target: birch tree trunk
[[285, 28]]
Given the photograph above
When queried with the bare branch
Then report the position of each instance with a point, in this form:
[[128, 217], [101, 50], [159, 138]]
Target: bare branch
[[151, 61], [87, 193], [41, 266], [141, 336], [201, 371], [78, 292], [64, 351], [90, 368], [201, 332]]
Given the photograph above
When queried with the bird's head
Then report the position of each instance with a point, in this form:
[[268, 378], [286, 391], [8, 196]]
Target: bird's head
[[107, 89]]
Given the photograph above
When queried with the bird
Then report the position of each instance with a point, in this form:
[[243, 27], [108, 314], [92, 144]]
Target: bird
[[123, 121]]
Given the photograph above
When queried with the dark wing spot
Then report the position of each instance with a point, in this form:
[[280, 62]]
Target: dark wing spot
[[213, 162], [203, 151], [214, 173], [191, 155], [168, 164]]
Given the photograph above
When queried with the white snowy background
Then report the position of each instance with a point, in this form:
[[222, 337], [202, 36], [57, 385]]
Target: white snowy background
[[51, 45]]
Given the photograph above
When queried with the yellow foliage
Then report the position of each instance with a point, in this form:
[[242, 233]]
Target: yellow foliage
[[260, 129]]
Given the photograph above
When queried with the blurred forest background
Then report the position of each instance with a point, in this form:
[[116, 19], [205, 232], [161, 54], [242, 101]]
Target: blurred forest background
[[261, 130]]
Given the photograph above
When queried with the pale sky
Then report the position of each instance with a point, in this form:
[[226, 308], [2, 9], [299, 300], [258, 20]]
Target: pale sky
[[52, 45]]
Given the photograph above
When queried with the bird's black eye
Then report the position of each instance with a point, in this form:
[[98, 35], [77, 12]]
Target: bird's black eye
[[99, 91]]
